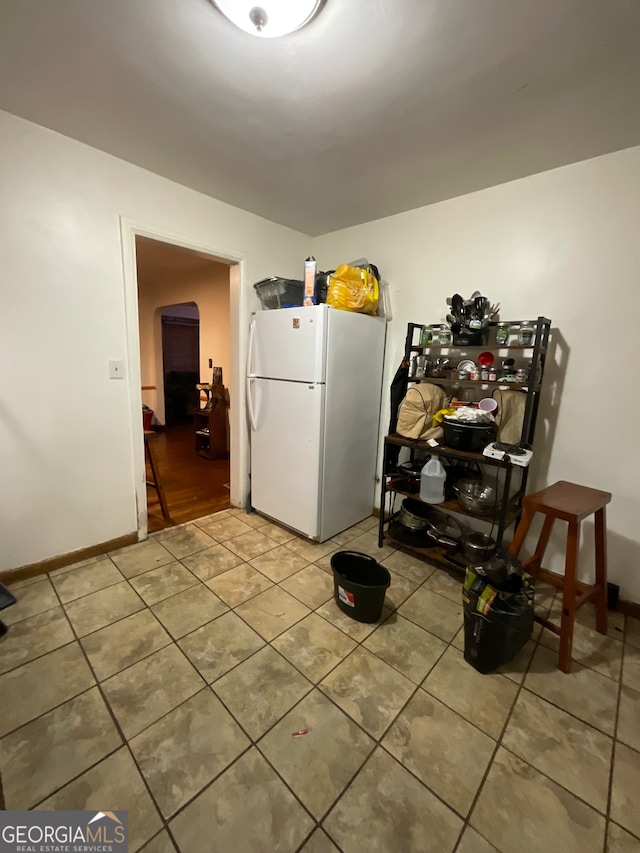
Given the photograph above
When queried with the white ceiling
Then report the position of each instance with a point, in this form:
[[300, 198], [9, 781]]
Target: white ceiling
[[377, 106]]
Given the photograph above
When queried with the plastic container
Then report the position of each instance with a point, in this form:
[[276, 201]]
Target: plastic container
[[147, 418], [277, 292], [359, 584], [432, 480]]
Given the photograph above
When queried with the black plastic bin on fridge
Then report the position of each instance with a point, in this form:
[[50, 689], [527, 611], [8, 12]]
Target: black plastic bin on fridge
[[359, 584]]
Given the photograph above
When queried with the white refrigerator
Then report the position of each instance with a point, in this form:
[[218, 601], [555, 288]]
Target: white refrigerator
[[314, 385]]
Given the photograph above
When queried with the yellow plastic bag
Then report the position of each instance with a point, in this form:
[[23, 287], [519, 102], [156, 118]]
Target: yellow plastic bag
[[354, 289], [439, 416]]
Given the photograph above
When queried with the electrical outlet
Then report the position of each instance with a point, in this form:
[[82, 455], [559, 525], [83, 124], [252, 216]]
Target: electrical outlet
[[210, 362], [116, 369]]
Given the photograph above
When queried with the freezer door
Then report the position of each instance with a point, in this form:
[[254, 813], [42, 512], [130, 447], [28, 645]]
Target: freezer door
[[286, 449], [288, 343]]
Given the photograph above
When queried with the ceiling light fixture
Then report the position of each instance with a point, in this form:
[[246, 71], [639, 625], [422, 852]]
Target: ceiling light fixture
[[269, 18]]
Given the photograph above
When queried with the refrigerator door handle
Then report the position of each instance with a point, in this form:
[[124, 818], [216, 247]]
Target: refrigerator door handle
[[252, 333], [252, 416]]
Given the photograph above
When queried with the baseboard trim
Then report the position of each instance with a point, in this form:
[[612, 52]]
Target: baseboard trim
[[32, 570]]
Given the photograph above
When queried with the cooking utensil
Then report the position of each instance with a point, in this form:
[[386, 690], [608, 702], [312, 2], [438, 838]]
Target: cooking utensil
[[417, 517], [477, 497], [457, 303], [477, 547], [413, 514]]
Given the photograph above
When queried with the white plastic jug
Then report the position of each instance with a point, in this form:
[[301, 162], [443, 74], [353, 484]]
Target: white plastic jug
[[432, 479]]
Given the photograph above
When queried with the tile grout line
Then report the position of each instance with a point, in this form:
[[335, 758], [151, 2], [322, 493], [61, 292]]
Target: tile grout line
[[467, 820], [542, 773], [124, 742], [614, 745], [316, 685], [61, 704]]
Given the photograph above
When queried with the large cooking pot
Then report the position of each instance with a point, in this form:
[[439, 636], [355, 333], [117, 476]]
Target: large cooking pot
[[478, 547], [467, 436], [438, 527], [414, 514]]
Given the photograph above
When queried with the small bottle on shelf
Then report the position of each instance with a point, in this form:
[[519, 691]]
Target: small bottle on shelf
[[444, 336], [502, 333], [525, 334]]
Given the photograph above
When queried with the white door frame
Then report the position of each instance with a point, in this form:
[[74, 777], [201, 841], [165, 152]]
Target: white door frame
[[239, 441]]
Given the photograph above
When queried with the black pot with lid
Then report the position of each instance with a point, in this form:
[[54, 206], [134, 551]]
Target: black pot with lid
[[471, 437]]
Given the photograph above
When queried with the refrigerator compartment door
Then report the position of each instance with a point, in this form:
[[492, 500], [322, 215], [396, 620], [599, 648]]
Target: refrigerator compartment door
[[286, 451], [289, 343]]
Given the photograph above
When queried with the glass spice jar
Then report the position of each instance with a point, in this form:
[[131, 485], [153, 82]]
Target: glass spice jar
[[444, 336], [525, 334], [502, 333], [425, 336]]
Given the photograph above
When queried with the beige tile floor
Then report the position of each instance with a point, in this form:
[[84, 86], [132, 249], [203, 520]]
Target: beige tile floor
[[169, 678]]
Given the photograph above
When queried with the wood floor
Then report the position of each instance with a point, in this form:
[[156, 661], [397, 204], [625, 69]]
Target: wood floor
[[193, 486]]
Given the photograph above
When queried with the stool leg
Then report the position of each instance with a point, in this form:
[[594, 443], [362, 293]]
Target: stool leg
[[521, 531], [569, 596], [601, 570], [543, 540]]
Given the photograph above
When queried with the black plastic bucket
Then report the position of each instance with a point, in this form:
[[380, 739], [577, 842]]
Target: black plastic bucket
[[359, 584]]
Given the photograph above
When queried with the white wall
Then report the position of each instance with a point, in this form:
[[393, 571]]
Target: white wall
[[67, 476], [564, 244], [209, 289]]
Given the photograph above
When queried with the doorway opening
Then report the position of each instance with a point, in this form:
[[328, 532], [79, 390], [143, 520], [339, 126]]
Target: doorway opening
[[184, 330], [180, 335]]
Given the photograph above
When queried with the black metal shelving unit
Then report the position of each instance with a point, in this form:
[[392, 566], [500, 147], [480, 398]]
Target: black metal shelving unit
[[510, 502]]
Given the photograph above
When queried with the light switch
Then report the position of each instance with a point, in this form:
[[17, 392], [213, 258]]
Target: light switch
[[116, 369]]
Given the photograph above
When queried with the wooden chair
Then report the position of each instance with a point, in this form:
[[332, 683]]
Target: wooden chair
[[571, 503]]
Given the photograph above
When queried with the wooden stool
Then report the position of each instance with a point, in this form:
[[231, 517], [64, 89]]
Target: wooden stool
[[573, 504], [156, 482]]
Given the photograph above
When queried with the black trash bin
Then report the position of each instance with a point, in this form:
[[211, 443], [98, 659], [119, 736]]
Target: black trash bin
[[359, 584], [498, 611], [6, 600]]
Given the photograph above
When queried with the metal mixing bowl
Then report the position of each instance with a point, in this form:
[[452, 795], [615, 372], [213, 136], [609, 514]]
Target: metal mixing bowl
[[476, 496]]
